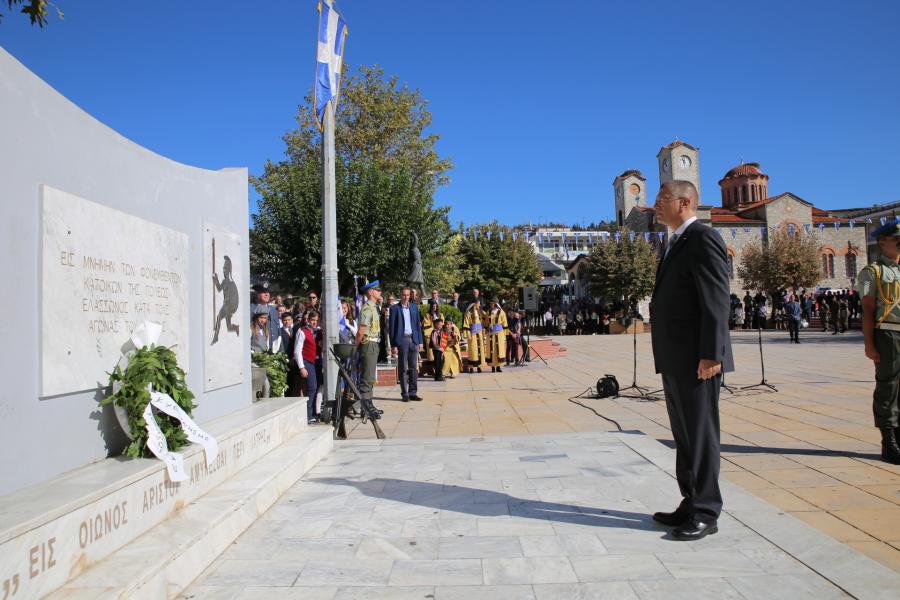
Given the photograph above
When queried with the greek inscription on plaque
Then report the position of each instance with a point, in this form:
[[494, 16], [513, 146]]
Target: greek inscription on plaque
[[104, 271]]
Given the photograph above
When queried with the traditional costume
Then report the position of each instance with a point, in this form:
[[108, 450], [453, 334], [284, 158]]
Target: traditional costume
[[473, 329]]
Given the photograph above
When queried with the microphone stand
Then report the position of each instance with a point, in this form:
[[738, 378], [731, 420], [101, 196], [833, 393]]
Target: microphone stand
[[762, 365], [641, 392], [526, 356]]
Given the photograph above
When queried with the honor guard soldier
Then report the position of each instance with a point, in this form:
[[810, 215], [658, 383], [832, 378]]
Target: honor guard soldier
[[368, 337], [879, 288]]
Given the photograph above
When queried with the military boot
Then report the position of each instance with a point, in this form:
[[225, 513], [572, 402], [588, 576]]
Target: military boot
[[890, 452], [373, 414]]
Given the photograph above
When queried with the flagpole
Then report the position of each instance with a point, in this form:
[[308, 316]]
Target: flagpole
[[330, 290]]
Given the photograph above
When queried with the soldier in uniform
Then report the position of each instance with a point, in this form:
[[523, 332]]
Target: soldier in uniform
[[824, 311], [879, 288], [843, 313], [263, 296], [368, 336]]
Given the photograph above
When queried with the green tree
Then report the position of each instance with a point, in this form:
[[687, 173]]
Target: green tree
[[495, 263], [387, 171], [786, 261], [623, 269], [37, 10]]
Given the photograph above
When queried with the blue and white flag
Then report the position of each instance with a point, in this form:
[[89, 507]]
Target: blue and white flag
[[883, 220], [821, 227], [837, 224], [660, 235], [487, 234], [631, 236], [806, 227], [733, 233], [852, 223], [646, 236], [618, 236], [746, 230], [791, 230], [342, 321], [329, 57], [869, 220]]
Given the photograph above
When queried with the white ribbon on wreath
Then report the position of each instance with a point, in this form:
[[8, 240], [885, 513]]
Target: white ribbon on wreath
[[147, 333]]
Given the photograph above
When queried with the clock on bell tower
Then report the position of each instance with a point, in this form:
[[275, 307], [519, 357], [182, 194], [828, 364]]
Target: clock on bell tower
[[679, 160]]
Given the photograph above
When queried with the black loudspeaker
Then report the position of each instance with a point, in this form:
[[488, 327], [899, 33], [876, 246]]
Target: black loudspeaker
[[528, 298], [607, 387]]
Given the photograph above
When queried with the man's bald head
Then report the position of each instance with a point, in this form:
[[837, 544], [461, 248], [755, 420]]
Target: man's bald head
[[676, 202], [680, 188]]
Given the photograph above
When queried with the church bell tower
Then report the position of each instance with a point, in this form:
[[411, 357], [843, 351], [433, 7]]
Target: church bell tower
[[631, 191], [679, 160]]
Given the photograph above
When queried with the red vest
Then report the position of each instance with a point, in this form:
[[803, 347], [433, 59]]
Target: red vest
[[310, 350]]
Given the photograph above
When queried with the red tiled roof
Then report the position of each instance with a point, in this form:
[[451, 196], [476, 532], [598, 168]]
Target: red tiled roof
[[743, 170], [733, 218], [675, 144], [758, 204]]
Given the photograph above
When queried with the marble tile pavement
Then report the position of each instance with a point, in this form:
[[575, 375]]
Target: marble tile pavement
[[541, 516]]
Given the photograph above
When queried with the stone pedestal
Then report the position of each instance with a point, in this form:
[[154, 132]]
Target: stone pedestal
[[120, 528]]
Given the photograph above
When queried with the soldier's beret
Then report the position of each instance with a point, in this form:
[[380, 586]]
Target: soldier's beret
[[372, 285], [891, 228], [263, 286]]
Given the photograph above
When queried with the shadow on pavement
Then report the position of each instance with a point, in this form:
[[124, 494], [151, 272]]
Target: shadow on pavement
[[786, 451], [487, 503]]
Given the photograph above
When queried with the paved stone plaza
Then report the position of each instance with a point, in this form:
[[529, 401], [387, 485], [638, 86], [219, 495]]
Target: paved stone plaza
[[497, 487]]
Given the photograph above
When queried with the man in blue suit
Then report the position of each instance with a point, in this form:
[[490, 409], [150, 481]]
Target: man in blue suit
[[406, 342]]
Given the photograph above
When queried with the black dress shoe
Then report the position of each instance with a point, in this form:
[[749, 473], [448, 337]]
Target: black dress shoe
[[416, 397], [499, 370], [681, 516], [695, 530], [405, 399]]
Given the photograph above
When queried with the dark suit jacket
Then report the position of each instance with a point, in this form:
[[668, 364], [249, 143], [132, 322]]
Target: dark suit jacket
[[395, 324], [287, 343], [690, 304]]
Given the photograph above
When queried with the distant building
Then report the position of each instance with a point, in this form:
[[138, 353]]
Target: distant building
[[747, 213]]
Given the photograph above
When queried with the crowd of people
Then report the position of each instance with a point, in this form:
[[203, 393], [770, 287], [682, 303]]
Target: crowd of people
[[419, 342], [794, 311]]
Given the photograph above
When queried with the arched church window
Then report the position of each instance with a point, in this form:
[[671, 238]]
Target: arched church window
[[850, 265], [828, 265]]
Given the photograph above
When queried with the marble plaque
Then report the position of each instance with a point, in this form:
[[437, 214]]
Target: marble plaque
[[103, 271], [225, 308]]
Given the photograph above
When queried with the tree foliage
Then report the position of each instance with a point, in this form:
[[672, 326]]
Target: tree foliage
[[495, 263], [37, 10], [387, 171], [623, 269], [785, 262]]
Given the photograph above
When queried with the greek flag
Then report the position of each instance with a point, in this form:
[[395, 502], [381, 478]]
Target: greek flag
[[329, 57], [342, 320]]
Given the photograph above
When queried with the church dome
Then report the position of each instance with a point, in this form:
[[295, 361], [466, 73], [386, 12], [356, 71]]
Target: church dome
[[743, 170]]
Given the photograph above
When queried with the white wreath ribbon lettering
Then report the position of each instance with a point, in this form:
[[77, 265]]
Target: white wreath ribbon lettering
[[147, 333]]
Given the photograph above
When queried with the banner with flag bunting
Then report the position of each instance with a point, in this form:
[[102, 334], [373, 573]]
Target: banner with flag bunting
[[329, 57]]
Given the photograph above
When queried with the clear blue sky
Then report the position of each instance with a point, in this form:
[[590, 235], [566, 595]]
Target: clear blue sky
[[539, 104]]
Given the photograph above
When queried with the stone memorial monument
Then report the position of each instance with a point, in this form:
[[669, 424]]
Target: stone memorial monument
[[100, 234]]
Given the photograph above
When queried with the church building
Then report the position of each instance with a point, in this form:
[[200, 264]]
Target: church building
[[746, 214]]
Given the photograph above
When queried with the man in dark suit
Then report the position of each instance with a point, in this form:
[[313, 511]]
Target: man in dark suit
[[691, 349], [406, 337]]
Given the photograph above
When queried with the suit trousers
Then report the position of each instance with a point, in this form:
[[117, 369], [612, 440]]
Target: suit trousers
[[408, 366], [312, 388], [693, 407]]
